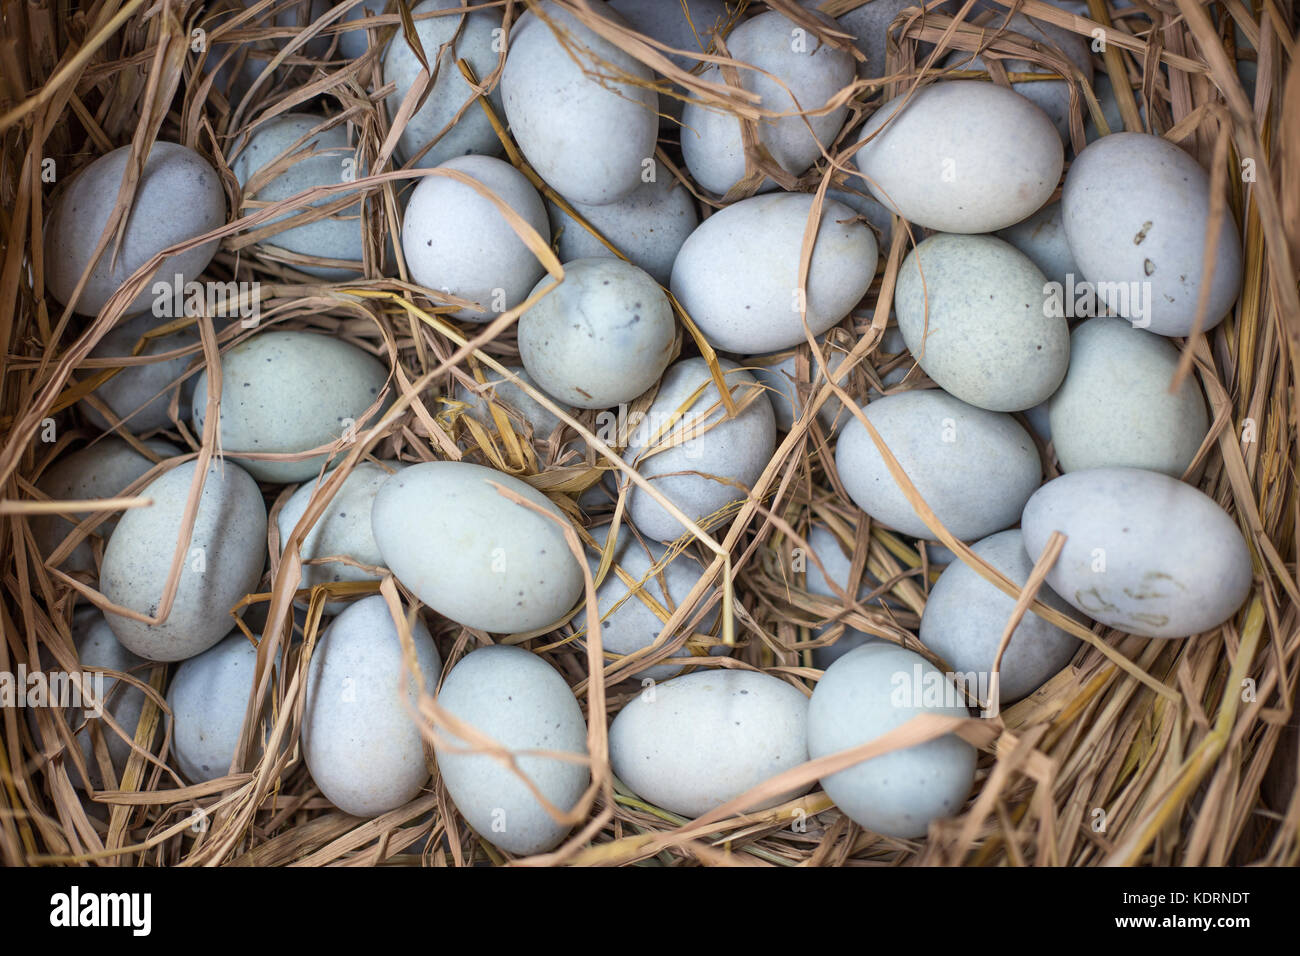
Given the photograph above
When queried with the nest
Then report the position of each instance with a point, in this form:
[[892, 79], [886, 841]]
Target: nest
[[1140, 752]]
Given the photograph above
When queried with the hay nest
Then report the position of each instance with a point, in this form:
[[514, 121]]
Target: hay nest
[[1141, 752]]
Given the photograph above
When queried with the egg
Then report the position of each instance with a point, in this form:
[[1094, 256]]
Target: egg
[[737, 275], [863, 696], [355, 42], [1140, 239], [288, 392], [1042, 238], [869, 25], [208, 699], [473, 37], [519, 406], [704, 442], [344, 529], [1114, 408], [332, 160], [961, 156], [522, 704], [838, 566], [221, 563], [972, 311], [1144, 553], [603, 337], [693, 743], [458, 242], [472, 554], [628, 623], [102, 470], [361, 738], [140, 394], [648, 225], [688, 26], [965, 617], [792, 70], [588, 135], [974, 468], [177, 198], [854, 195], [779, 374]]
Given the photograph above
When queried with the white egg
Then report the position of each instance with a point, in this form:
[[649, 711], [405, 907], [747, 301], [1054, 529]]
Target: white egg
[[1144, 553], [457, 241], [691, 744], [704, 455], [837, 565], [974, 468], [588, 135], [360, 733], [689, 26], [972, 310], [863, 696], [140, 394], [1114, 408], [222, 560], [1042, 238], [1136, 210], [177, 198], [603, 337], [523, 704], [737, 276], [787, 388], [208, 699], [288, 392], [355, 42], [472, 554], [961, 156]]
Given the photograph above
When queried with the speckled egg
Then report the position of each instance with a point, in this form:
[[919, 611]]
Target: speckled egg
[[458, 242], [471, 553], [972, 311], [737, 276], [523, 704], [178, 197], [140, 394], [690, 744], [863, 696], [1136, 209], [603, 337], [360, 734], [222, 563], [208, 699], [288, 392], [961, 156], [1115, 408], [1144, 553], [974, 468], [698, 444]]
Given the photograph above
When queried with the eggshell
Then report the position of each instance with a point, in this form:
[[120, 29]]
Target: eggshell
[[287, 392], [1114, 408], [523, 704], [1042, 238], [736, 450], [445, 39], [102, 470], [603, 337], [784, 386], [360, 734], [838, 565], [472, 554], [737, 276], [520, 407], [962, 156], [140, 394], [974, 468], [628, 623], [688, 26], [788, 61], [972, 310], [965, 617], [648, 225], [869, 25], [458, 241], [222, 561], [587, 135], [861, 697], [356, 41], [1136, 210], [178, 197], [333, 161], [208, 698], [690, 744], [855, 197], [344, 529], [1144, 553]]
